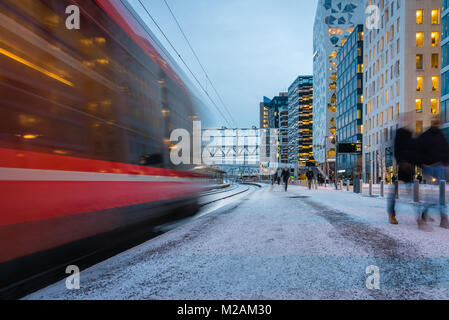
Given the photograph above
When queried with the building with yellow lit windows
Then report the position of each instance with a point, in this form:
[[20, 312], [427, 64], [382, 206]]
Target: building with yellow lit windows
[[402, 57], [335, 20], [349, 121], [300, 121]]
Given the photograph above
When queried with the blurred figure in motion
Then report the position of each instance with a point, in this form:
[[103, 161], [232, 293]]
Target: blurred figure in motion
[[405, 153], [433, 150], [310, 177], [285, 176], [320, 179], [274, 178]]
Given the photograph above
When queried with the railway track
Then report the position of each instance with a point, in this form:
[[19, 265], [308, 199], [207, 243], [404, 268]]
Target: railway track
[[115, 244]]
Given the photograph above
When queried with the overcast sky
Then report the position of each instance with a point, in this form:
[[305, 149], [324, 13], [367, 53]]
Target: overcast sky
[[250, 48]]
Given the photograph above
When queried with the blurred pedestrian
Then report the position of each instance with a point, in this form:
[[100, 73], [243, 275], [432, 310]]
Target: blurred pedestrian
[[419, 178], [309, 176], [274, 178], [285, 176], [405, 154], [433, 149]]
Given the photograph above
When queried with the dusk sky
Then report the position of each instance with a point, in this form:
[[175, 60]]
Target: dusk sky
[[250, 48]]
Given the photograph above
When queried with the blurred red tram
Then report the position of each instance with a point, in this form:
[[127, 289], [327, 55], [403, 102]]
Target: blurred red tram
[[85, 121]]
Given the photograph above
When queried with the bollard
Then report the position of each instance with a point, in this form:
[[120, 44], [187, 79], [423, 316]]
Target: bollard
[[397, 186], [371, 188], [442, 193], [416, 191], [347, 185], [316, 184], [361, 186], [382, 189]]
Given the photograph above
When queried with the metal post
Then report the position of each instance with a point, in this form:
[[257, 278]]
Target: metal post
[[382, 188], [361, 186], [336, 161], [416, 191], [442, 192], [398, 186], [371, 188], [347, 185]]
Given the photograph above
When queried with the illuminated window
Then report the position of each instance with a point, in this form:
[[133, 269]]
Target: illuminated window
[[418, 105], [435, 16], [419, 127], [360, 99], [435, 84], [435, 39], [419, 16], [419, 62], [435, 60], [360, 68], [419, 39], [434, 106], [419, 83]]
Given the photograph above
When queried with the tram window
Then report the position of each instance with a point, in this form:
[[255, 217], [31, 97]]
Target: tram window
[[150, 159]]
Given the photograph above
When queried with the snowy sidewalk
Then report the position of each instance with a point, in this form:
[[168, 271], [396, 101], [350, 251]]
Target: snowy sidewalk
[[273, 244]]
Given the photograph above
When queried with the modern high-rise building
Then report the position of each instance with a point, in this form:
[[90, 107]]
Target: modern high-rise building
[[401, 76], [445, 68], [334, 22], [349, 102], [300, 121], [264, 113], [278, 119]]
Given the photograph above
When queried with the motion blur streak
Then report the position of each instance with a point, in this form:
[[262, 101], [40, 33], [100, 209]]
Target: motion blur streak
[[85, 160], [33, 66]]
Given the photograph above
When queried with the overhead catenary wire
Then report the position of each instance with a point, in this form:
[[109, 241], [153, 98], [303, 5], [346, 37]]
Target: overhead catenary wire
[[199, 62], [185, 64]]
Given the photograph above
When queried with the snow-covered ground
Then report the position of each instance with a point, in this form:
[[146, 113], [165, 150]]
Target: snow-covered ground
[[272, 244]]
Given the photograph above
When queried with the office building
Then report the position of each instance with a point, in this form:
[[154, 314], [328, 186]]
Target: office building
[[350, 102], [401, 77]]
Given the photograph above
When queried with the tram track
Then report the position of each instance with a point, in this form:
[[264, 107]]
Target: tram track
[[117, 243]]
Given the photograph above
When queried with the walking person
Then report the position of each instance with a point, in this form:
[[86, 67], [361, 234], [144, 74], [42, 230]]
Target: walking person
[[285, 176], [310, 176], [434, 153], [274, 178], [405, 153]]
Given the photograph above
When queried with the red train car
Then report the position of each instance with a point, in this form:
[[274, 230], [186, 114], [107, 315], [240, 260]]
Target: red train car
[[85, 121]]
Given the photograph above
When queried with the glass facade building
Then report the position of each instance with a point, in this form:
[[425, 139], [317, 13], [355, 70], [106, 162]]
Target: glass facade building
[[445, 67], [350, 102], [278, 119], [334, 22], [300, 118]]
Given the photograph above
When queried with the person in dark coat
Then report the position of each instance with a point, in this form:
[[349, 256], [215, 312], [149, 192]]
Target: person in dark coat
[[274, 179], [405, 154], [433, 149], [310, 176], [285, 176], [419, 178]]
